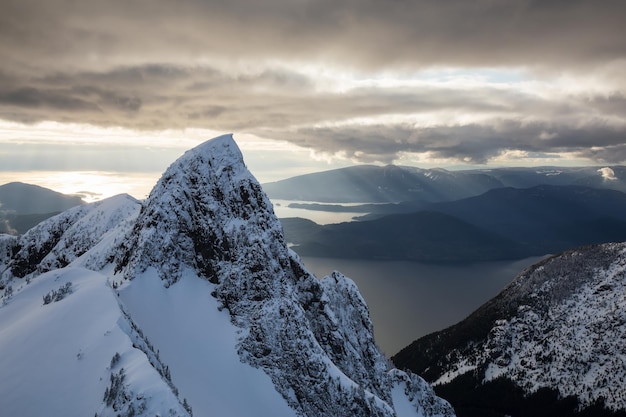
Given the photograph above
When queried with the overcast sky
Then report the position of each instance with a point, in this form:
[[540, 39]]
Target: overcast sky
[[125, 86]]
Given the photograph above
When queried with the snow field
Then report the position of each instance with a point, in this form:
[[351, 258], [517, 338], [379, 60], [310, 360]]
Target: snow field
[[55, 357], [199, 345]]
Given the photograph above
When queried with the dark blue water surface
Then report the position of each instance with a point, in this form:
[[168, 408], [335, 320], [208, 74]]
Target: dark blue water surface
[[408, 300]]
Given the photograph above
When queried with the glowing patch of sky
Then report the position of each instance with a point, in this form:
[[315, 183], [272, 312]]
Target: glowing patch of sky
[[549, 87], [83, 134], [484, 75], [90, 185], [100, 162]]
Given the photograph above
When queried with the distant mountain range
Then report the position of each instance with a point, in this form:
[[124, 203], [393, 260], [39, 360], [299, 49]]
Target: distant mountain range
[[503, 223], [546, 218], [550, 344], [374, 184], [22, 206], [423, 236], [394, 184]]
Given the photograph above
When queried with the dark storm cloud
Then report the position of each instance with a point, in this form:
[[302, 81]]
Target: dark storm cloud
[[375, 33], [246, 100], [283, 104], [159, 97], [28, 97], [470, 143], [161, 64]]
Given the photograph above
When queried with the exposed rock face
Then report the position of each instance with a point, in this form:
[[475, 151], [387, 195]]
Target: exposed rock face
[[313, 338]]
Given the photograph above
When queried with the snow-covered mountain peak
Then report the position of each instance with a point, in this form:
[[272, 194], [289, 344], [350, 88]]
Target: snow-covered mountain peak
[[220, 152], [205, 204], [208, 216], [216, 305], [218, 159]]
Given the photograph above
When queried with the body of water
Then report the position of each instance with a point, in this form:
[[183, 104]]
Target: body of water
[[408, 300], [282, 210]]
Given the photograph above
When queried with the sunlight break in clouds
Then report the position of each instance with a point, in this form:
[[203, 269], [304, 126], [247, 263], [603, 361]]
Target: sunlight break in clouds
[[89, 185], [96, 162]]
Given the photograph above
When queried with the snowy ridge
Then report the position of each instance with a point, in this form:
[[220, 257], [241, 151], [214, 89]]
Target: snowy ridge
[[203, 201], [347, 334], [60, 240], [574, 345], [560, 325], [61, 353], [210, 310]]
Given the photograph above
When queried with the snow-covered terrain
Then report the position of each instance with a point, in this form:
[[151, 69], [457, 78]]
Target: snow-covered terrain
[[568, 335], [57, 357], [187, 303], [560, 325]]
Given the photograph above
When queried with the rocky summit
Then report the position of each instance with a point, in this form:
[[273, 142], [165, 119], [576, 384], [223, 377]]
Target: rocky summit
[[188, 303]]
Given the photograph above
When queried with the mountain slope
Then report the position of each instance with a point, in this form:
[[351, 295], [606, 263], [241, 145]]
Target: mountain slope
[[211, 307], [610, 177], [548, 218], [374, 184], [422, 236], [501, 223], [62, 353], [554, 336], [22, 206], [62, 239], [32, 199]]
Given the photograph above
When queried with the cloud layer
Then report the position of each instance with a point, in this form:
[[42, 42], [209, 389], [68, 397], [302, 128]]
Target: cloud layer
[[361, 78], [375, 33]]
